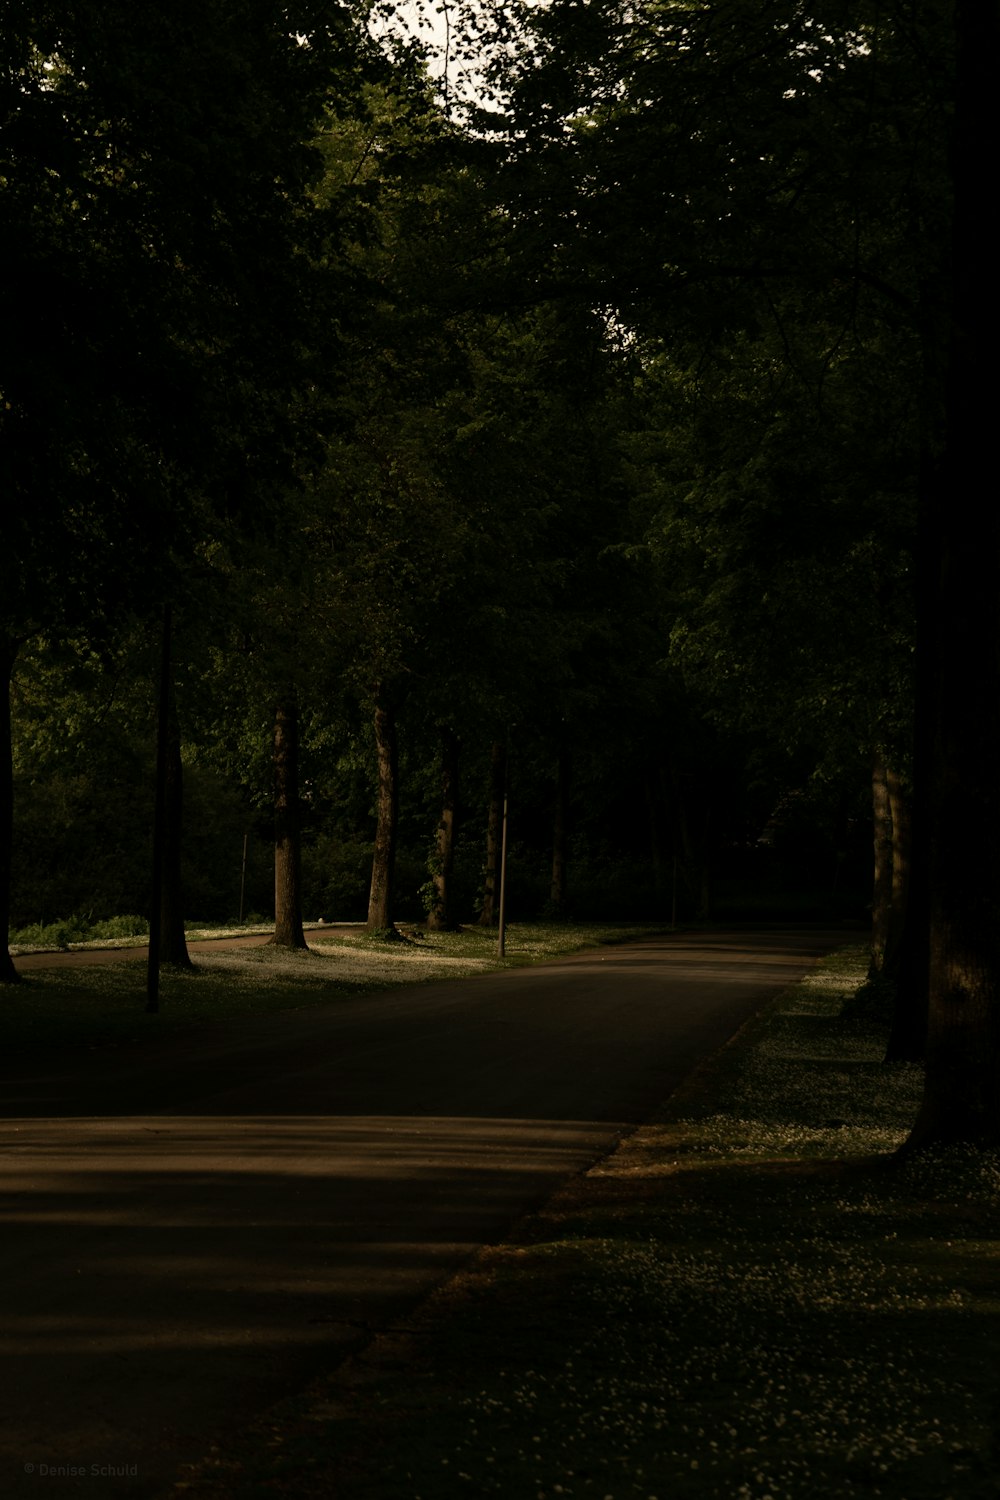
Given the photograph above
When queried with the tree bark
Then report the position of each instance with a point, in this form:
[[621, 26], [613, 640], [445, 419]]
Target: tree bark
[[167, 942], [173, 942], [883, 868], [494, 825], [440, 917], [904, 958], [159, 819], [961, 525], [8, 656], [557, 888], [287, 831], [902, 838], [908, 1036], [380, 897], [911, 954]]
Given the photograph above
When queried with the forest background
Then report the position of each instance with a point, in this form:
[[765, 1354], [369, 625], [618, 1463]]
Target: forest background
[[602, 418]]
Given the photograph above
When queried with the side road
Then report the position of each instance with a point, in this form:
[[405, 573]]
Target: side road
[[26, 960], [748, 1299]]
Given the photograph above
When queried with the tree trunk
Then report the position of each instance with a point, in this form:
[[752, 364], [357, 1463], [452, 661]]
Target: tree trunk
[[287, 837], [8, 656], [173, 942], [902, 836], [167, 942], [904, 958], [908, 1036], [440, 916], [962, 529], [494, 825], [560, 820], [159, 818], [883, 850], [380, 898], [910, 954]]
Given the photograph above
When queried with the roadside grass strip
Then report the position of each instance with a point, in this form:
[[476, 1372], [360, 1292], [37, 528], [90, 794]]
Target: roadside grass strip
[[750, 1300]]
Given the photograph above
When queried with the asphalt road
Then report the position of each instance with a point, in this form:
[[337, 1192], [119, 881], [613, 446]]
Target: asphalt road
[[195, 1229]]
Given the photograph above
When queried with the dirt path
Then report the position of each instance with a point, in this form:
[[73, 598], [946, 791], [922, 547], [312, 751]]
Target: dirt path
[[194, 1229]]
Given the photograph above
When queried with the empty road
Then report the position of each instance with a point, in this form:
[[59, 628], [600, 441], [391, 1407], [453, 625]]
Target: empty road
[[194, 1229]]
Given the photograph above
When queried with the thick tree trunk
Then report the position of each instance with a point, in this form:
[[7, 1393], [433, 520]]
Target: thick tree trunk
[[904, 955], [557, 889], [173, 942], [883, 851], [8, 655], [159, 819], [494, 826], [962, 529], [440, 916], [962, 1089], [910, 954], [902, 838], [380, 898], [167, 943], [287, 836], [908, 1036]]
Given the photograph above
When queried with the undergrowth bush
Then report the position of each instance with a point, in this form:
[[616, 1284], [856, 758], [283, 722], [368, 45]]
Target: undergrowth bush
[[119, 927], [77, 929]]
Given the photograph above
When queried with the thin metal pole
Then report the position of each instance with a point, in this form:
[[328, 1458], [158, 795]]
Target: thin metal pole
[[243, 877], [159, 822]]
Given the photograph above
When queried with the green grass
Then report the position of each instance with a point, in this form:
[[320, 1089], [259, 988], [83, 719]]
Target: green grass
[[750, 1299], [104, 1004]]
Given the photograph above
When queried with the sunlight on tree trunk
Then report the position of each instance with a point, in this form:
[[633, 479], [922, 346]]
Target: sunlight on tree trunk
[[494, 821], [439, 918], [173, 943], [899, 815], [380, 899], [883, 850], [287, 841], [906, 960]]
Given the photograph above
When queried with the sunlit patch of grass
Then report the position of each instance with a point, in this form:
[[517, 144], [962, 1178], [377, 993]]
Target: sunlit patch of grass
[[525, 942], [748, 1301]]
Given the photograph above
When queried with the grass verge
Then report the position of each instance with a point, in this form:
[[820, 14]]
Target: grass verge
[[747, 1301], [104, 1004]]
